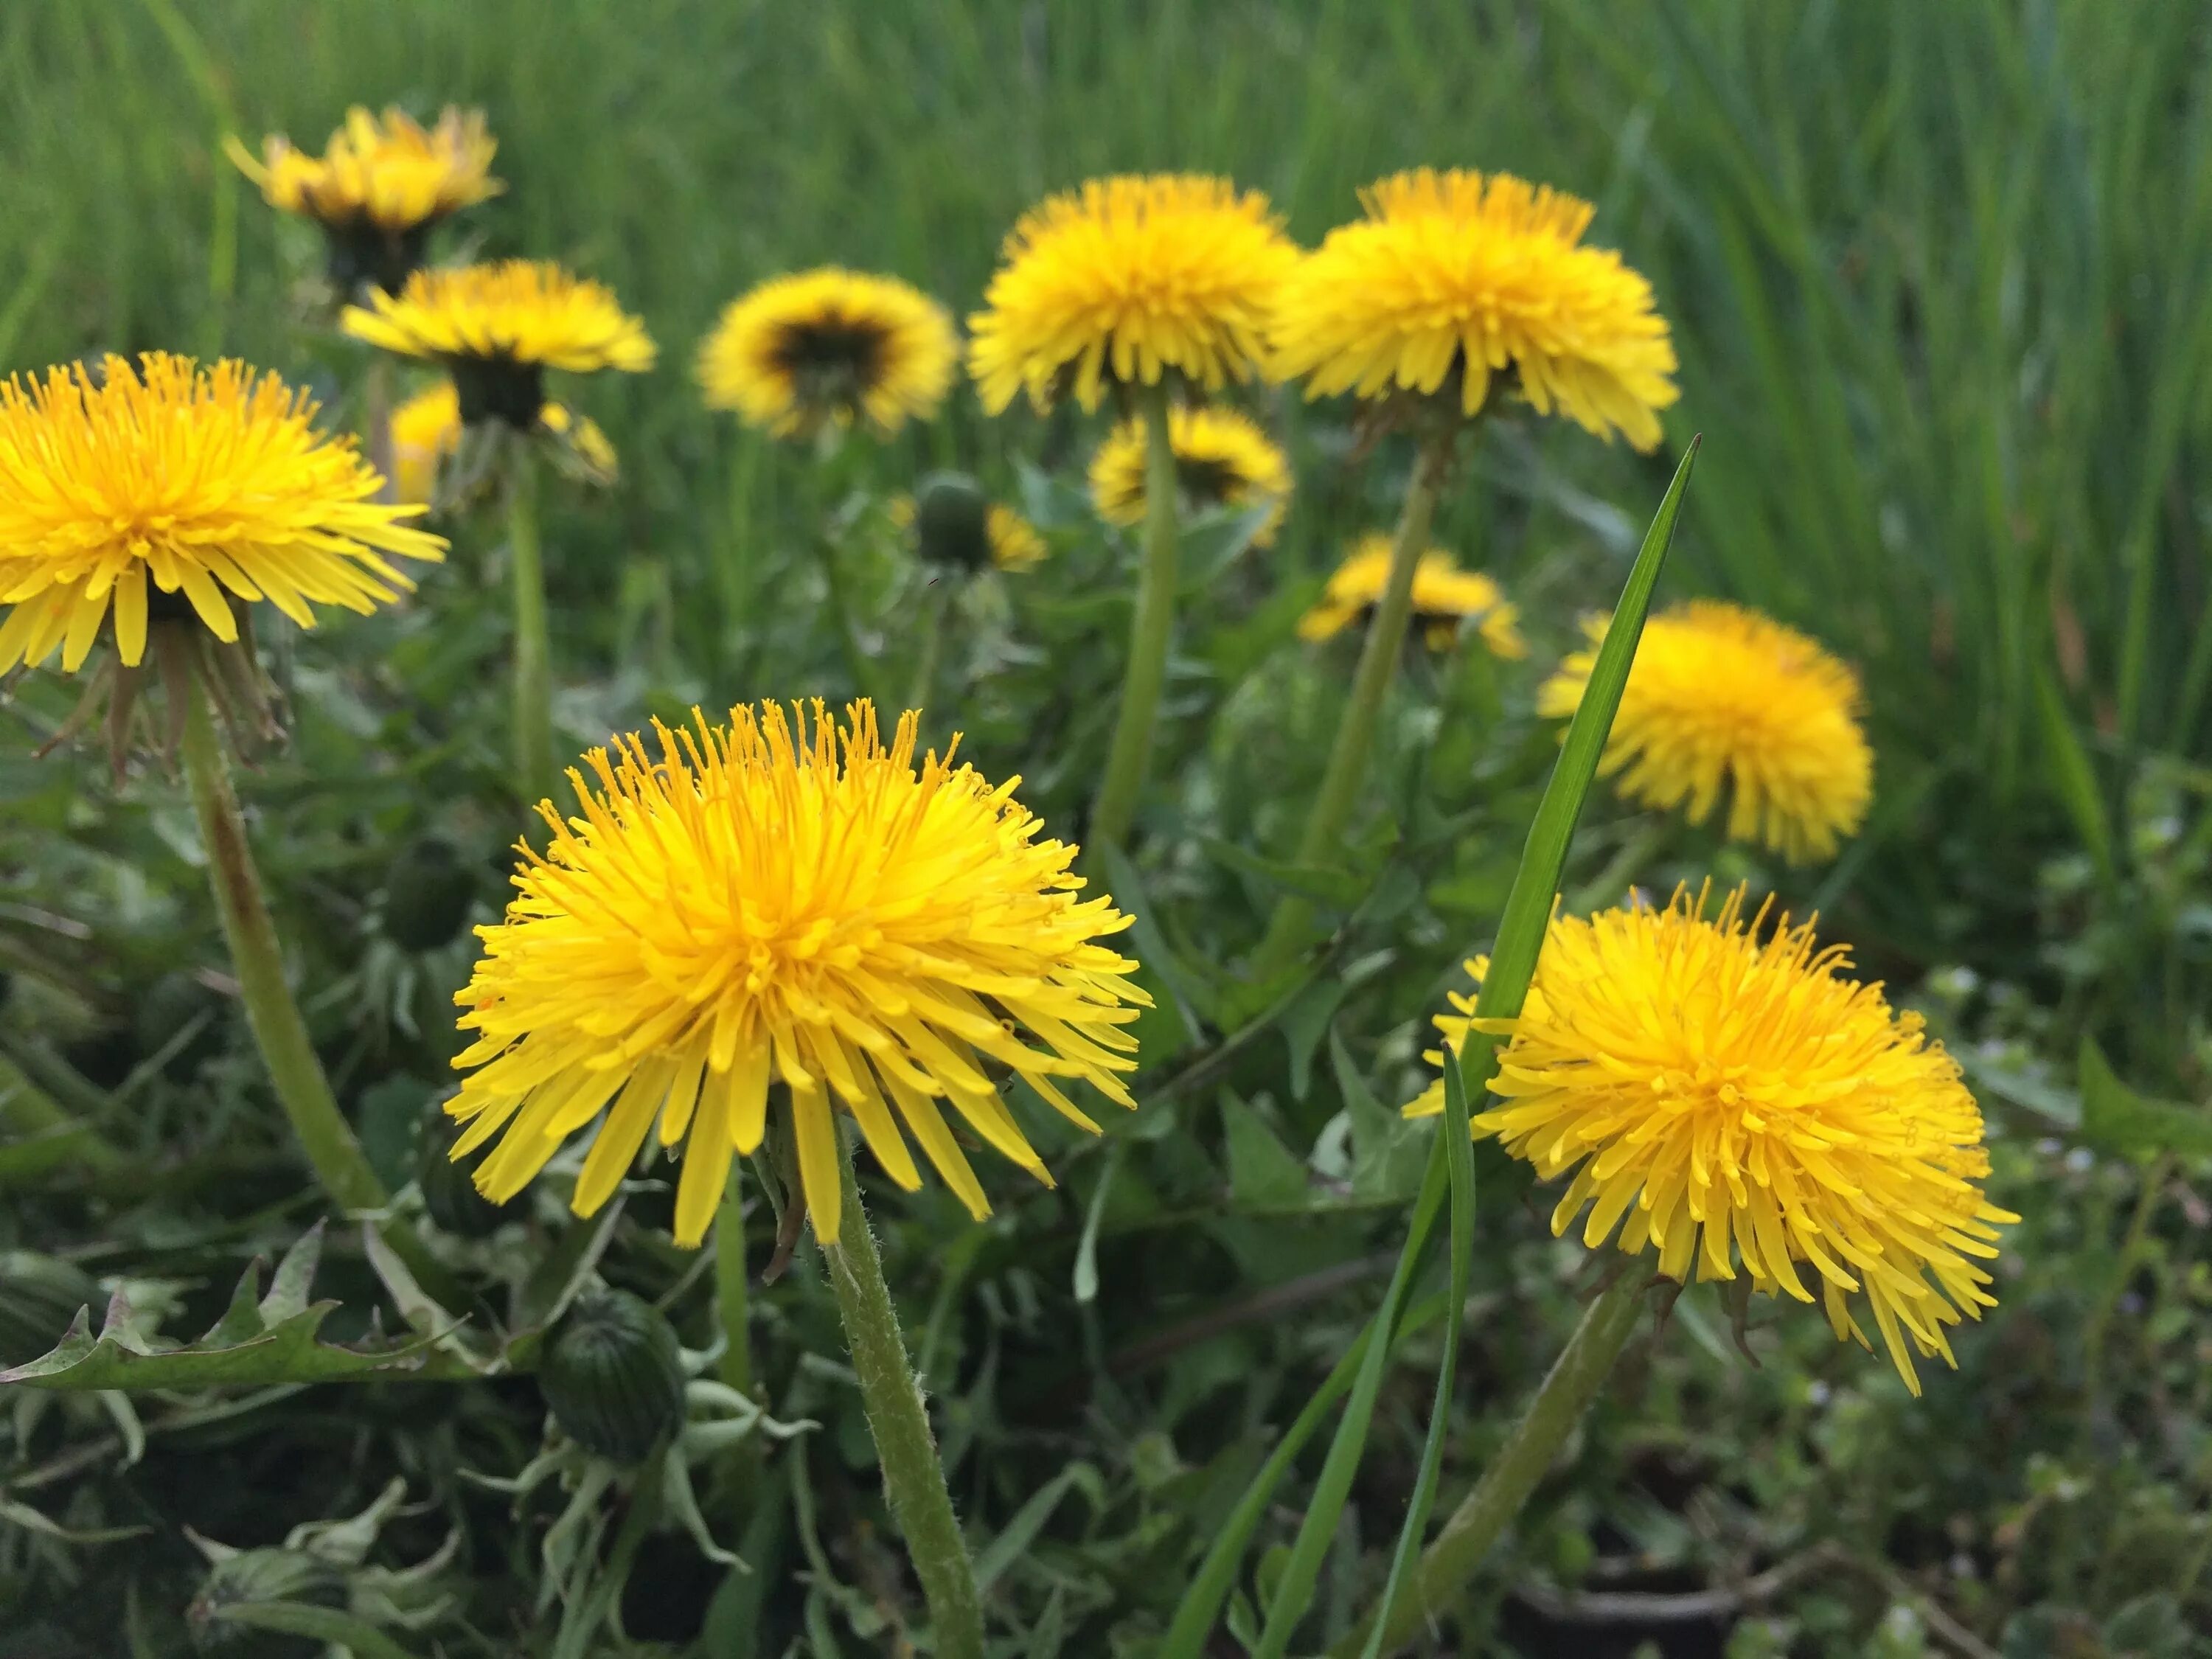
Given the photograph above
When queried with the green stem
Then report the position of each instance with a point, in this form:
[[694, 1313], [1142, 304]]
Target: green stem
[[934, 604], [913, 1479], [1152, 631], [1354, 746], [2131, 1249], [282, 1035], [533, 661], [732, 1295], [376, 418], [1575, 1379]]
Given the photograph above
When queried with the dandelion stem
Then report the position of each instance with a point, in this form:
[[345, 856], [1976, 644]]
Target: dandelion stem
[[1572, 1383], [913, 1479], [1371, 688], [282, 1035], [1152, 631], [376, 422], [533, 662], [732, 1297]]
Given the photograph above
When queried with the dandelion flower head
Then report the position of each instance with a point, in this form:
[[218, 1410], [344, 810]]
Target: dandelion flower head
[[1724, 1097], [1453, 278], [1126, 280], [951, 522], [1444, 597], [392, 173], [787, 900], [426, 434], [830, 347], [1222, 459], [160, 488], [1723, 698]]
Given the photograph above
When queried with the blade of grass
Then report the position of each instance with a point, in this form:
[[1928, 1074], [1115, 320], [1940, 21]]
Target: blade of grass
[[1513, 964]]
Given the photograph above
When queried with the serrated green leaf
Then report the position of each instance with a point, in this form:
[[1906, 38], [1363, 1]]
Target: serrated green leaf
[[1263, 1173], [1322, 882], [1389, 1153], [2116, 1119]]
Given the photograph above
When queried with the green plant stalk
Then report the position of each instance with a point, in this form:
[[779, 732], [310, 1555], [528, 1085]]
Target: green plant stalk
[[35, 1112], [935, 605], [732, 1295], [1151, 632], [2108, 1299], [914, 1479], [1354, 746], [1573, 1381], [279, 1031], [533, 657]]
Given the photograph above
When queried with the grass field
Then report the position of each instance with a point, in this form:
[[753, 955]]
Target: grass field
[[1940, 280]]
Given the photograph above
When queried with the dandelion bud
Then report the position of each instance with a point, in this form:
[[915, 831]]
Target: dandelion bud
[[427, 894], [953, 521], [612, 1376], [39, 1296], [268, 1575]]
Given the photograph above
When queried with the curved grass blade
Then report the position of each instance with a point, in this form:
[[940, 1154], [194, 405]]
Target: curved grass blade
[[1513, 963]]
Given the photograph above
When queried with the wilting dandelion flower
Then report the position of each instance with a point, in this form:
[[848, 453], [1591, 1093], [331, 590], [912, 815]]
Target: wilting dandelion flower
[[806, 907], [1723, 698], [954, 523], [829, 347], [378, 187], [1126, 280], [158, 489], [1453, 277], [1444, 597], [498, 328], [1222, 459], [426, 435], [1723, 1098]]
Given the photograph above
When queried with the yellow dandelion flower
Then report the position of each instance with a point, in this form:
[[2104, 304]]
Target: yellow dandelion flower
[[426, 434], [1015, 544], [378, 187], [1721, 696], [953, 523], [1444, 597], [830, 346], [1453, 276], [497, 328], [122, 488], [1723, 1098], [806, 907], [1222, 459], [1127, 279], [580, 443]]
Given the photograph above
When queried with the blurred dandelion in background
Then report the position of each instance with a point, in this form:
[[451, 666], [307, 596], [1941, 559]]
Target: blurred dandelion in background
[[1453, 278], [786, 900], [830, 348], [1723, 699], [954, 524], [1723, 1098], [1445, 597], [1223, 457], [426, 434]]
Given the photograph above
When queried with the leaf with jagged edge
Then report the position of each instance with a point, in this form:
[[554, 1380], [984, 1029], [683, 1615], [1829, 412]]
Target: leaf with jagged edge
[[261, 1340]]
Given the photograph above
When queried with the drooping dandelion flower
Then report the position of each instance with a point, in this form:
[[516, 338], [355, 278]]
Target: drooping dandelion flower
[[379, 187], [1452, 278], [160, 489], [1444, 597], [954, 524], [1730, 1101], [1720, 697], [829, 347], [1222, 459], [1126, 280], [758, 904], [498, 328], [427, 432]]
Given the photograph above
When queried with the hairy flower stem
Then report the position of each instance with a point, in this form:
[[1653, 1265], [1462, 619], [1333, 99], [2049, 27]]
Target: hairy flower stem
[[1559, 1405], [282, 1035], [1152, 631], [913, 1479], [1371, 688], [533, 659]]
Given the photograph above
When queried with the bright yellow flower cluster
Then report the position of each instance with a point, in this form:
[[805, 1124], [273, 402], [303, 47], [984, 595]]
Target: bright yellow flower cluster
[[160, 478], [1453, 278], [1224, 457], [1444, 597], [830, 346], [391, 173], [522, 312], [1126, 280], [1723, 698], [756, 904], [1724, 1095]]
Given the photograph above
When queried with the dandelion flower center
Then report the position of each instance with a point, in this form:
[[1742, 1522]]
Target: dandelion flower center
[[788, 900], [1727, 1098], [830, 346]]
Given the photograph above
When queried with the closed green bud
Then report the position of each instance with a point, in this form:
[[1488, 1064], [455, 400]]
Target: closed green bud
[[39, 1297], [427, 894], [450, 1197], [613, 1374], [272, 1575], [953, 521]]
